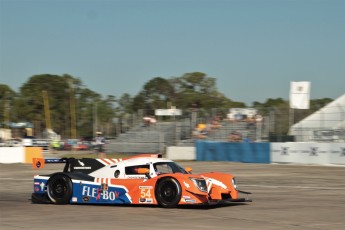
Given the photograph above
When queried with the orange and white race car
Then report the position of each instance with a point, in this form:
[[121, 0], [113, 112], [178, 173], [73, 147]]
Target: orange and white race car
[[143, 179]]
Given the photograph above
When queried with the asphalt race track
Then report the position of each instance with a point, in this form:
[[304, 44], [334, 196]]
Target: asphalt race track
[[284, 197]]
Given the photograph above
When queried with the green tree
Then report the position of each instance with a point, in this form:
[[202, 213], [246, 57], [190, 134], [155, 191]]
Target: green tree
[[125, 105], [106, 114], [191, 90], [87, 101], [67, 99], [155, 94], [198, 90], [278, 111], [32, 104], [7, 100]]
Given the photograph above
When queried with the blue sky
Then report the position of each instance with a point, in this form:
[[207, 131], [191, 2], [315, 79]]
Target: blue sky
[[254, 48]]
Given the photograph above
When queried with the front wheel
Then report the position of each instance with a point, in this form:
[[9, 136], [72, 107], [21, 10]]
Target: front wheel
[[59, 189], [168, 192]]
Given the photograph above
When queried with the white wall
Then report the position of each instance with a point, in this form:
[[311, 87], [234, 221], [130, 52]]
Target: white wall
[[12, 155], [308, 153], [181, 153]]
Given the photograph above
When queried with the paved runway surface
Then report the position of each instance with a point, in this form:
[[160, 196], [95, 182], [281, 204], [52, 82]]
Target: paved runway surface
[[284, 197]]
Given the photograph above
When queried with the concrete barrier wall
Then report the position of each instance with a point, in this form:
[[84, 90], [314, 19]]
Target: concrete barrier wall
[[181, 153], [10, 155], [308, 153], [293, 152], [337, 153], [32, 152], [237, 152]]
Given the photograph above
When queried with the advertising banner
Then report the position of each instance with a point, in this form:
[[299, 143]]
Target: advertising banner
[[308, 153], [168, 112], [299, 95]]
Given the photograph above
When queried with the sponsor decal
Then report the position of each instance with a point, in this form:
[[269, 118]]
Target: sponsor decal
[[145, 201], [145, 193], [186, 200], [42, 186], [37, 189], [82, 165], [38, 164], [145, 187], [74, 199], [149, 201], [86, 199], [104, 187], [37, 183], [88, 167], [137, 177], [98, 193], [190, 201]]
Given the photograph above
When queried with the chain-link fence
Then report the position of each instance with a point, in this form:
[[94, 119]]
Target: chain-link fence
[[273, 125], [276, 124]]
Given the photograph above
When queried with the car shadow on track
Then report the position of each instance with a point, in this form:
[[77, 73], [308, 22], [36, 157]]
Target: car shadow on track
[[191, 206], [199, 207]]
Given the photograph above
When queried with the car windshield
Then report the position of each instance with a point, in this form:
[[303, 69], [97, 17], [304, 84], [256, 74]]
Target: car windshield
[[168, 167]]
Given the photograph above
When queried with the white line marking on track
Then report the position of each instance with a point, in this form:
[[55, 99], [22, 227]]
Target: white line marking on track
[[294, 187], [242, 185], [16, 179]]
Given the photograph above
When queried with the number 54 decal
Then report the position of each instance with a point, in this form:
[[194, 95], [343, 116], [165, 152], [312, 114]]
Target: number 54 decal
[[146, 194]]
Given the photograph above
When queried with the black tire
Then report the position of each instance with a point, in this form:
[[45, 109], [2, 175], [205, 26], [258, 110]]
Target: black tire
[[168, 192], [59, 189]]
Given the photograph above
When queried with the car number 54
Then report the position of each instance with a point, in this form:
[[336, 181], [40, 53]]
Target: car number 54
[[145, 193]]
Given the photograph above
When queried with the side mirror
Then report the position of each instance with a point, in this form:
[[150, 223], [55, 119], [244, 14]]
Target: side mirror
[[188, 169]]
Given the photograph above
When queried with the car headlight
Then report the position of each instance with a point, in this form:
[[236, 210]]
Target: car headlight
[[234, 183], [200, 184]]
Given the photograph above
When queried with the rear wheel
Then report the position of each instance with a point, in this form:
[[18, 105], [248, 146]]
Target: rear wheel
[[59, 189], [168, 192]]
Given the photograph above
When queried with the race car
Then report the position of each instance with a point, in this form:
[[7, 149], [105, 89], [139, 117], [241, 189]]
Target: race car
[[142, 179]]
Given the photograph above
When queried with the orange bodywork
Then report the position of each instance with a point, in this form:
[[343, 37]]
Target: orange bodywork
[[139, 189], [144, 190]]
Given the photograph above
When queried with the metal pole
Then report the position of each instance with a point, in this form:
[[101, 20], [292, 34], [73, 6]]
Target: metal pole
[[72, 111], [95, 121], [7, 110], [46, 109], [291, 117]]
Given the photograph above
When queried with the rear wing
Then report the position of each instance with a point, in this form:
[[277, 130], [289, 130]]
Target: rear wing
[[85, 165], [39, 163]]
